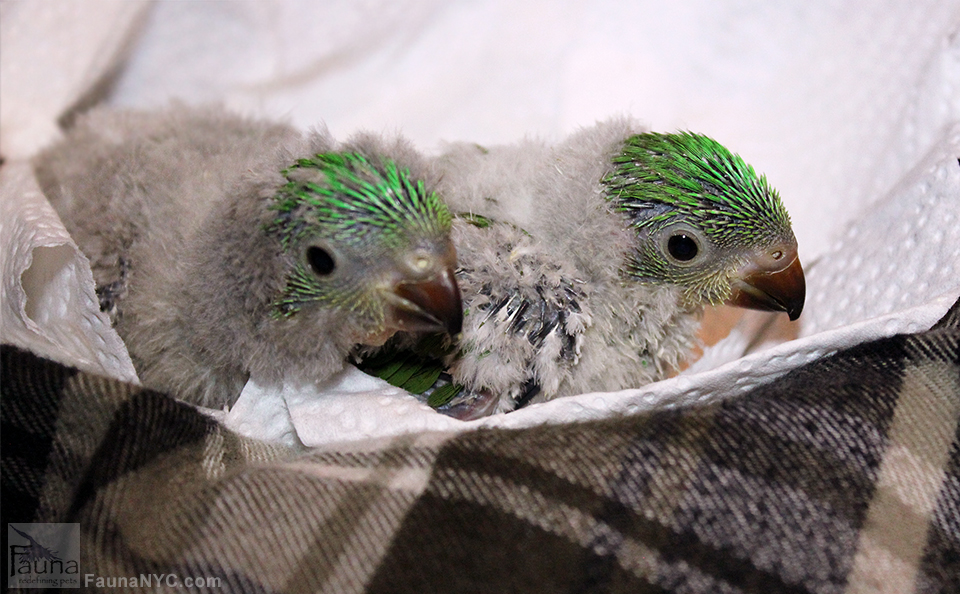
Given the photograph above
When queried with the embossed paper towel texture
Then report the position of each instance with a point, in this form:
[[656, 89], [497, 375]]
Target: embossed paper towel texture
[[51, 55], [847, 109]]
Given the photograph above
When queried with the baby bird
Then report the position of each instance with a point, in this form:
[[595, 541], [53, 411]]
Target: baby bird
[[585, 266], [225, 247]]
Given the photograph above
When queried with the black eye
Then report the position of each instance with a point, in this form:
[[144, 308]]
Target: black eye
[[320, 260], [682, 247]]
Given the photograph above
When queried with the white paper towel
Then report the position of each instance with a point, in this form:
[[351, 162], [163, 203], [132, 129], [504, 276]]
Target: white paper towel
[[851, 109], [48, 301], [51, 55]]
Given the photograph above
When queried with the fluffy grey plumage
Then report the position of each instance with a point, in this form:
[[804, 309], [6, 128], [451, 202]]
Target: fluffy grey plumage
[[226, 247], [625, 334], [569, 284], [541, 324]]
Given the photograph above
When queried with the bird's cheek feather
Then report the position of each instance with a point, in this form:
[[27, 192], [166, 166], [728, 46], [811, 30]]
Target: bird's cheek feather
[[377, 338]]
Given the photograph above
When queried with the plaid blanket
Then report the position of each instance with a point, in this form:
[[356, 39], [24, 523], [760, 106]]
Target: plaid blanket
[[842, 476]]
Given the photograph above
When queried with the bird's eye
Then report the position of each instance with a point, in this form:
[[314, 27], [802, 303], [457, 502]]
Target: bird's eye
[[683, 247], [320, 260]]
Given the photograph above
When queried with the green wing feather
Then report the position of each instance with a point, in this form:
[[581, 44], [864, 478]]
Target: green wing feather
[[418, 370]]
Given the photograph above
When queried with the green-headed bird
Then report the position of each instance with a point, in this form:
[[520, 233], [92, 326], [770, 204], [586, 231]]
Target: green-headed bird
[[585, 266], [225, 247]]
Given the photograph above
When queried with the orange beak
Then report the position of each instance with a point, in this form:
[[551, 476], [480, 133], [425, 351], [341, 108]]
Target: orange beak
[[777, 290], [428, 305]]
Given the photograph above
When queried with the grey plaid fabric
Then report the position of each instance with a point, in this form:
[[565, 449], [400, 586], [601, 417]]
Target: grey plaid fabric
[[842, 476]]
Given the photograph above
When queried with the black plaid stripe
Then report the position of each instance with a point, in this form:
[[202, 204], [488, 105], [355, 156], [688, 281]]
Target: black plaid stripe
[[774, 490], [31, 390], [951, 320], [787, 474], [163, 489], [146, 427], [940, 565], [936, 383], [795, 487], [297, 524]]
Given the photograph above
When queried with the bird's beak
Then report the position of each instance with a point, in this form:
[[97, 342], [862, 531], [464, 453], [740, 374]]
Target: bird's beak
[[782, 289], [428, 305]]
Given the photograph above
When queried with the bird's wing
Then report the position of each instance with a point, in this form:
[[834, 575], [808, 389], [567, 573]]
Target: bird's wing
[[525, 314]]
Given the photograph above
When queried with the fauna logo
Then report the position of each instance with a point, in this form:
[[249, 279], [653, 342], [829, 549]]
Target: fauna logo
[[42, 556]]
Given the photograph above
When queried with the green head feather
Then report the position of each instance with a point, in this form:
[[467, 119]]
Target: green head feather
[[369, 208], [660, 180]]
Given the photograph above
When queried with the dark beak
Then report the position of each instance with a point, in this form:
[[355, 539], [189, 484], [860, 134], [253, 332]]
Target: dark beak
[[781, 290], [429, 305]]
